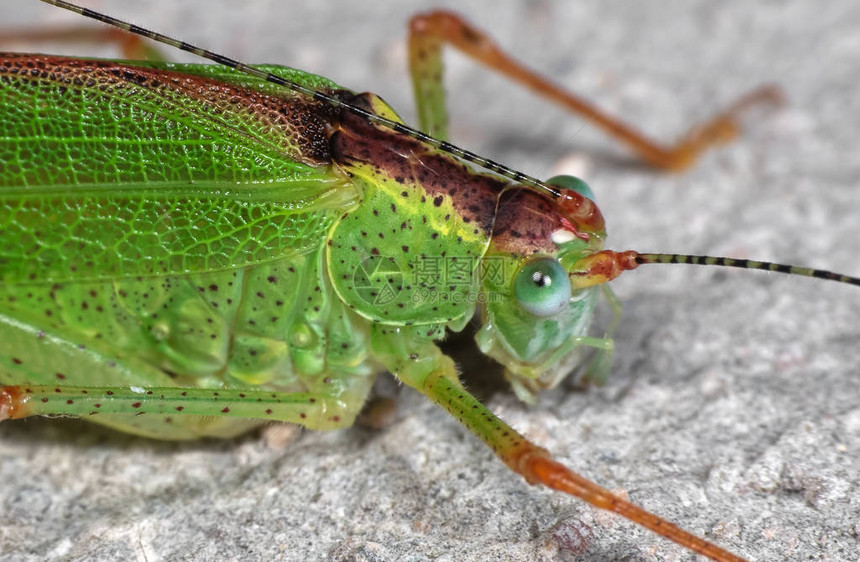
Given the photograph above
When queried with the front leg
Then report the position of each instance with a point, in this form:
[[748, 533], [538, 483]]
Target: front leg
[[417, 361]]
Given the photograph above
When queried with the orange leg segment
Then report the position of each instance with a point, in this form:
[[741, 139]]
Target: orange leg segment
[[428, 32], [132, 47], [537, 466]]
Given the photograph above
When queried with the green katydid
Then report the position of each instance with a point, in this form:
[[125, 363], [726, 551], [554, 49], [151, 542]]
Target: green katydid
[[163, 332]]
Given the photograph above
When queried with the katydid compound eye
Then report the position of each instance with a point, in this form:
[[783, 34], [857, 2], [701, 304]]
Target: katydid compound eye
[[572, 183], [541, 287]]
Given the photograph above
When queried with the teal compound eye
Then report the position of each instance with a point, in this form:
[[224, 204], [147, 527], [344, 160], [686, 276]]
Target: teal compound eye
[[572, 183], [541, 287]]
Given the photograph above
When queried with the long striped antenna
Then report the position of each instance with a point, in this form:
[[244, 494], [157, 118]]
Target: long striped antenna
[[586, 270], [607, 265], [444, 146], [748, 264]]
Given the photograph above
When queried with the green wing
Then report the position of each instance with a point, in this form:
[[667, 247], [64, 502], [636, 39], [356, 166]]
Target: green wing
[[110, 170]]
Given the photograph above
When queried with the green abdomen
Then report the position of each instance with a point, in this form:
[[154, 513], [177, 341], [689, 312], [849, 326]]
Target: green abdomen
[[276, 325]]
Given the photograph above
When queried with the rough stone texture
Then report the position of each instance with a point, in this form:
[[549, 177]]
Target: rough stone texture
[[733, 406]]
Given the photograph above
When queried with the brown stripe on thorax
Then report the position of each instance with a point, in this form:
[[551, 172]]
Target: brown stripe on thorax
[[525, 223], [304, 124], [417, 166]]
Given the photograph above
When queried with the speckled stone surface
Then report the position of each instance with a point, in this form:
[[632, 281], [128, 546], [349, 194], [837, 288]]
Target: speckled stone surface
[[733, 405]]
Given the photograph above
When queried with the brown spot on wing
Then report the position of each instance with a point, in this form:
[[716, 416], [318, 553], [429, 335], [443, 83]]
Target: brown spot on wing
[[301, 122]]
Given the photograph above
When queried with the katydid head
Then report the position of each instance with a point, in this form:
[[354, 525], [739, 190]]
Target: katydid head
[[535, 318], [541, 277]]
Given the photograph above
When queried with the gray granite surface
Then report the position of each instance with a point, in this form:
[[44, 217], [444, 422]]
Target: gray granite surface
[[733, 405]]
